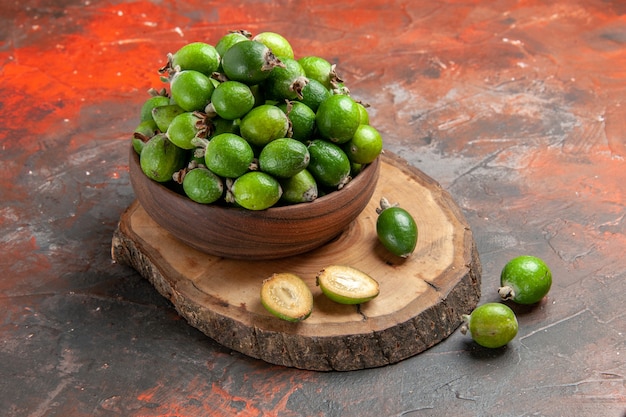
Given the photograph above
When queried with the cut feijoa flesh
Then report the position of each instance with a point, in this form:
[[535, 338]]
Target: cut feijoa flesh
[[287, 296], [347, 285]]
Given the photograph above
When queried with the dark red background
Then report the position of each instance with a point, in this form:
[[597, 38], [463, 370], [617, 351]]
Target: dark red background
[[516, 107]]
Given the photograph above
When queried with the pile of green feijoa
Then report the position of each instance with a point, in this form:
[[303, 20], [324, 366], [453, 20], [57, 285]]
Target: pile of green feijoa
[[262, 126]]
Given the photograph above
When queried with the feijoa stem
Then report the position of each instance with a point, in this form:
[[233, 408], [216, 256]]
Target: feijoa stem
[[465, 325], [506, 292], [385, 204]]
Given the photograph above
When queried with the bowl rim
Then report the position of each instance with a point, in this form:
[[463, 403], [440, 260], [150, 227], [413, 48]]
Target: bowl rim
[[356, 181]]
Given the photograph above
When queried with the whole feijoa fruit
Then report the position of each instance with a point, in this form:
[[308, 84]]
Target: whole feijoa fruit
[[191, 90], [338, 118], [249, 62], [329, 164], [263, 124], [365, 145], [301, 188], [491, 325], [202, 186], [228, 155], [277, 43], [396, 229], [160, 158], [525, 280], [254, 190], [284, 157]]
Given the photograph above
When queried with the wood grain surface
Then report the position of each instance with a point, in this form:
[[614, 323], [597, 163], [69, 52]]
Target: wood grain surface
[[421, 298]]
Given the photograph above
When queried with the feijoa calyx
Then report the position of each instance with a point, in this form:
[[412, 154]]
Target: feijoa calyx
[[286, 296], [347, 285], [396, 229]]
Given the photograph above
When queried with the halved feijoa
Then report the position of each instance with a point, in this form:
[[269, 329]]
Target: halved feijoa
[[287, 296], [347, 285]]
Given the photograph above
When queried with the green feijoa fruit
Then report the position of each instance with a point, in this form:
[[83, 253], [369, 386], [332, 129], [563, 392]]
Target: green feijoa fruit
[[285, 82], [364, 116], [302, 119], [228, 40], [284, 157], [228, 155], [185, 127], [313, 94], [254, 190], [337, 118], [231, 100], [329, 164], [347, 285], [142, 133], [396, 229], [249, 62], [365, 145], [286, 296], [525, 280], [491, 325], [318, 68], [197, 56], [160, 158], [202, 186], [151, 103], [163, 115], [263, 124], [277, 43], [301, 188], [191, 90]]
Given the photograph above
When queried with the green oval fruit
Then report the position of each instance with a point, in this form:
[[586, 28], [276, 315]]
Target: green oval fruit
[[317, 68], [301, 188], [284, 157], [278, 44], [249, 62], [302, 119], [365, 145], [160, 158], [396, 229], [197, 56], [525, 280], [255, 190], [329, 164], [228, 155], [313, 94], [202, 186], [228, 40], [163, 115], [338, 118], [191, 90], [491, 325], [231, 100], [263, 124], [184, 128], [285, 82], [347, 285], [287, 297]]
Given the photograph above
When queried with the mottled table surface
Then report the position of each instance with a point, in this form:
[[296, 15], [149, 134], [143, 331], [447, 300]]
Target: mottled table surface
[[517, 108]]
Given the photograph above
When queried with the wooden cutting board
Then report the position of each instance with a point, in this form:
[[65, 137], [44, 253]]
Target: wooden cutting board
[[421, 298]]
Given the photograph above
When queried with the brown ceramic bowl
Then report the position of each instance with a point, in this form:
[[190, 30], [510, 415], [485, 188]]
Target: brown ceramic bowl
[[238, 233]]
